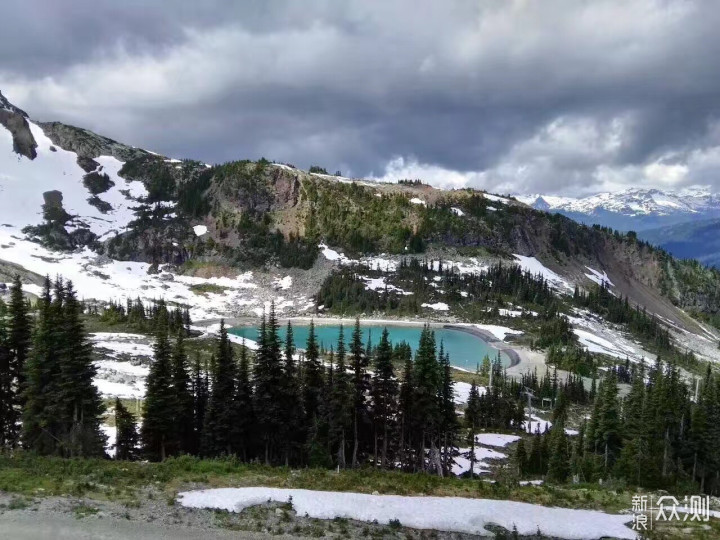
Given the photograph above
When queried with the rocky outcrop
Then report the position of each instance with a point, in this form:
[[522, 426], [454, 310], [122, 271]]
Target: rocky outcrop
[[15, 121], [86, 144]]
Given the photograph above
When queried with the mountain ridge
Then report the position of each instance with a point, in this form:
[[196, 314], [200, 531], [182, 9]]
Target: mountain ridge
[[132, 205]]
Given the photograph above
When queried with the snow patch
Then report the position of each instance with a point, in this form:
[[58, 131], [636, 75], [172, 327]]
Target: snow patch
[[455, 514], [200, 230]]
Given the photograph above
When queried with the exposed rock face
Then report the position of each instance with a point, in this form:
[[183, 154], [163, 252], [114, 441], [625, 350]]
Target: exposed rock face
[[15, 121], [86, 144]]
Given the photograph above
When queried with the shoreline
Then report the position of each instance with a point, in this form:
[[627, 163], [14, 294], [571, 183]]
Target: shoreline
[[516, 355]]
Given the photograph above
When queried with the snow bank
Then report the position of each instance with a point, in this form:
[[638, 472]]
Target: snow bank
[[496, 439], [437, 306], [532, 265], [200, 230], [457, 211], [415, 200], [462, 392], [455, 514], [499, 332], [601, 278]]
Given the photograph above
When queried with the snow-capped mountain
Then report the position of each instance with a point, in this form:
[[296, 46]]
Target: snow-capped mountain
[[636, 209]]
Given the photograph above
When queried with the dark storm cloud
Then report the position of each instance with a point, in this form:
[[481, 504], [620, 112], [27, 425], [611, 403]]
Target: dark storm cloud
[[555, 96]]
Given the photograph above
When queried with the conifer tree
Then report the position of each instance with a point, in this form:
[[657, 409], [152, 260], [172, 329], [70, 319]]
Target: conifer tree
[[340, 405], [361, 385], [19, 336], [126, 439], [201, 391], [384, 394], [244, 417], [312, 378], [472, 412], [217, 430], [158, 432], [8, 421], [292, 426], [559, 459], [521, 459], [268, 378], [80, 435], [41, 412], [184, 399]]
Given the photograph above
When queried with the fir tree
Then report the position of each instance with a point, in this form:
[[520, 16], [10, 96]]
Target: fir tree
[[126, 439], [340, 405], [312, 378], [217, 430], [184, 399], [158, 431], [19, 336], [384, 393], [361, 385], [244, 418], [201, 391]]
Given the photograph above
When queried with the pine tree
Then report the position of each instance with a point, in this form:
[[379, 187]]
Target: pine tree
[[19, 337], [158, 431], [244, 417], [472, 413], [268, 375], [8, 421], [312, 378], [79, 398], [384, 393], [361, 385], [184, 399], [41, 411], [340, 404], [126, 439], [559, 459], [217, 430], [521, 458], [426, 404], [201, 391], [293, 430]]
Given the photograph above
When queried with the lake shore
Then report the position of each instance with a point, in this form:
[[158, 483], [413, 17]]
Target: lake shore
[[522, 359]]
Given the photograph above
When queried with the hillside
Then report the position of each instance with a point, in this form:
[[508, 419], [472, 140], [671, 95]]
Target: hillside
[[86, 201]]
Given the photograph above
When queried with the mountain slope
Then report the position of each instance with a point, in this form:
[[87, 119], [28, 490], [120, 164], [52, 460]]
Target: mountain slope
[[178, 224], [694, 240]]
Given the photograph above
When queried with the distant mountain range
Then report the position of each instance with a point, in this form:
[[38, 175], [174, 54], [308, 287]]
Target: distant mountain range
[[634, 209], [686, 223]]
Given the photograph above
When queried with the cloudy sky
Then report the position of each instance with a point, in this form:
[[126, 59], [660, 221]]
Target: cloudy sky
[[516, 96]]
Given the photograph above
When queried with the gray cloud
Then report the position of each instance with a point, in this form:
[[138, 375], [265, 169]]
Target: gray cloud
[[558, 96]]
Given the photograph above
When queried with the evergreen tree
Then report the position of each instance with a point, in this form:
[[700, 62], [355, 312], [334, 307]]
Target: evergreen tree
[[217, 430], [559, 459], [472, 413], [201, 391], [126, 439], [82, 407], [384, 394], [312, 378], [184, 399], [361, 385], [158, 432], [340, 407], [19, 337], [244, 417], [268, 375], [291, 413]]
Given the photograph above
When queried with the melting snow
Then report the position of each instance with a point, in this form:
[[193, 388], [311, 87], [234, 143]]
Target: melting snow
[[200, 230], [415, 200], [532, 265], [599, 278], [437, 306], [457, 211], [496, 439], [439, 513]]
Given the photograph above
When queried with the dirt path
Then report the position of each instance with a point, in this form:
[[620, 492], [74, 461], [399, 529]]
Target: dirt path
[[32, 526]]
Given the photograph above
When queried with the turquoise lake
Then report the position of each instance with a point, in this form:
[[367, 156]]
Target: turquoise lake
[[466, 350]]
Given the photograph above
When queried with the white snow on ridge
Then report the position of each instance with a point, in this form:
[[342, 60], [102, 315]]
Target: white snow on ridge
[[455, 514], [599, 278], [415, 200], [23, 182], [532, 265], [200, 230], [457, 211]]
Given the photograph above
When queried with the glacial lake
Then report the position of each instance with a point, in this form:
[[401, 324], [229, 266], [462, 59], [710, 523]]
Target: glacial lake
[[466, 350]]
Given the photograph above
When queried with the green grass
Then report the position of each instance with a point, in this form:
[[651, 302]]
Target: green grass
[[205, 288], [28, 475]]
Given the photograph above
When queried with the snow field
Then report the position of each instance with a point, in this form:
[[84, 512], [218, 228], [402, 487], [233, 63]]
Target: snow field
[[455, 514]]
